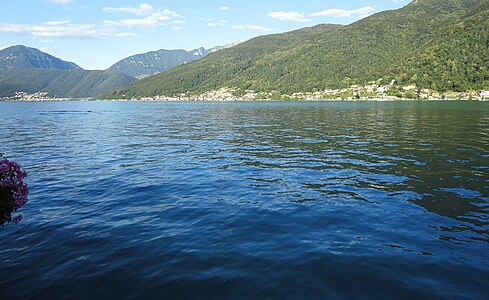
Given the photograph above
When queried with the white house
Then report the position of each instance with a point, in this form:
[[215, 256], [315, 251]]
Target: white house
[[484, 95], [409, 87]]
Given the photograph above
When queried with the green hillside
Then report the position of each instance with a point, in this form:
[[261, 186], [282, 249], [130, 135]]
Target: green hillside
[[440, 44], [59, 83], [457, 60]]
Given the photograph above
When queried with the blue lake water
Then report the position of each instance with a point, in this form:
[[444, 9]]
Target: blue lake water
[[248, 200]]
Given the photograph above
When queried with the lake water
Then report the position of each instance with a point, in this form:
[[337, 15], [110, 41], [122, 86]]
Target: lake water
[[248, 200]]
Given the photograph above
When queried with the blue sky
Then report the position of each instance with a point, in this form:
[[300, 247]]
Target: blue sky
[[95, 34]]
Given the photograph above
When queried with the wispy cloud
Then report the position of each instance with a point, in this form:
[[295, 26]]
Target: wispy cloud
[[150, 17], [56, 23], [213, 22], [178, 22], [288, 16], [63, 2], [143, 9], [56, 29], [250, 27], [224, 8], [341, 13], [124, 34]]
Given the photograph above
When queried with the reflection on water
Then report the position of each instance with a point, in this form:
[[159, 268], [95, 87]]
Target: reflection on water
[[253, 199]]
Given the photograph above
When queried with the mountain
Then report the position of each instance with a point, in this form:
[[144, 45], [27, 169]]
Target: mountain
[[22, 57], [61, 83], [24, 69], [438, 44], [154, 62]]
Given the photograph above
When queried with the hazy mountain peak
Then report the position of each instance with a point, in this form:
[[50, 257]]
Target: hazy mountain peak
[[154, 62], [22, 57], [200, 52]]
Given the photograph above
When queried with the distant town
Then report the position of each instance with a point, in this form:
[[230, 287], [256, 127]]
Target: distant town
[[38, 96]]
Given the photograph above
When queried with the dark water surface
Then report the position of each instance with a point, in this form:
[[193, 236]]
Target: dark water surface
[[248, 200]]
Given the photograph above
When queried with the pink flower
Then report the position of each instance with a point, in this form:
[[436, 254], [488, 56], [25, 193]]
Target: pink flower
[[13, 191]]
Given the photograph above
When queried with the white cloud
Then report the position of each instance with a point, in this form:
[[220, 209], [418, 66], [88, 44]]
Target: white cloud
[[142, 10], [215, 23], [150, 17], [224, 8], [157, 17], [288, 16], [251, 27], [64, 2], [56, 29], [110, 23], [142, 23], [339, 13], [176, 28], [56, 23], [124, 34]]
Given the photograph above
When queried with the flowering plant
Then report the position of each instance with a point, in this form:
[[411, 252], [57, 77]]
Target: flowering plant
[[13, 191]]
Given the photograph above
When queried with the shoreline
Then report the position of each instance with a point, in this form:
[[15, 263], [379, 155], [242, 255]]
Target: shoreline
[[229, 100]]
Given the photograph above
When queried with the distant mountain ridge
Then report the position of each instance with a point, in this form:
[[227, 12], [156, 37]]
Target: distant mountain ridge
[[22, 57], [25, 69], [432, 44], [154, 62], [29, 70]]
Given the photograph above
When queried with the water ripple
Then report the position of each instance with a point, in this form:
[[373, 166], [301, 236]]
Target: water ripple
[[248, 200]]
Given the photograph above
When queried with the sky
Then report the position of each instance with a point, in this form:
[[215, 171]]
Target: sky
[[97, 33]]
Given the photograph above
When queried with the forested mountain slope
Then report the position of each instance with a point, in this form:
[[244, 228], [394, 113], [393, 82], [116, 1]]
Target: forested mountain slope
[[440, 44]]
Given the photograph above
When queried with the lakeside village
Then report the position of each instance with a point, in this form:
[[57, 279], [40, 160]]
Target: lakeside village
[[371, 91]]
